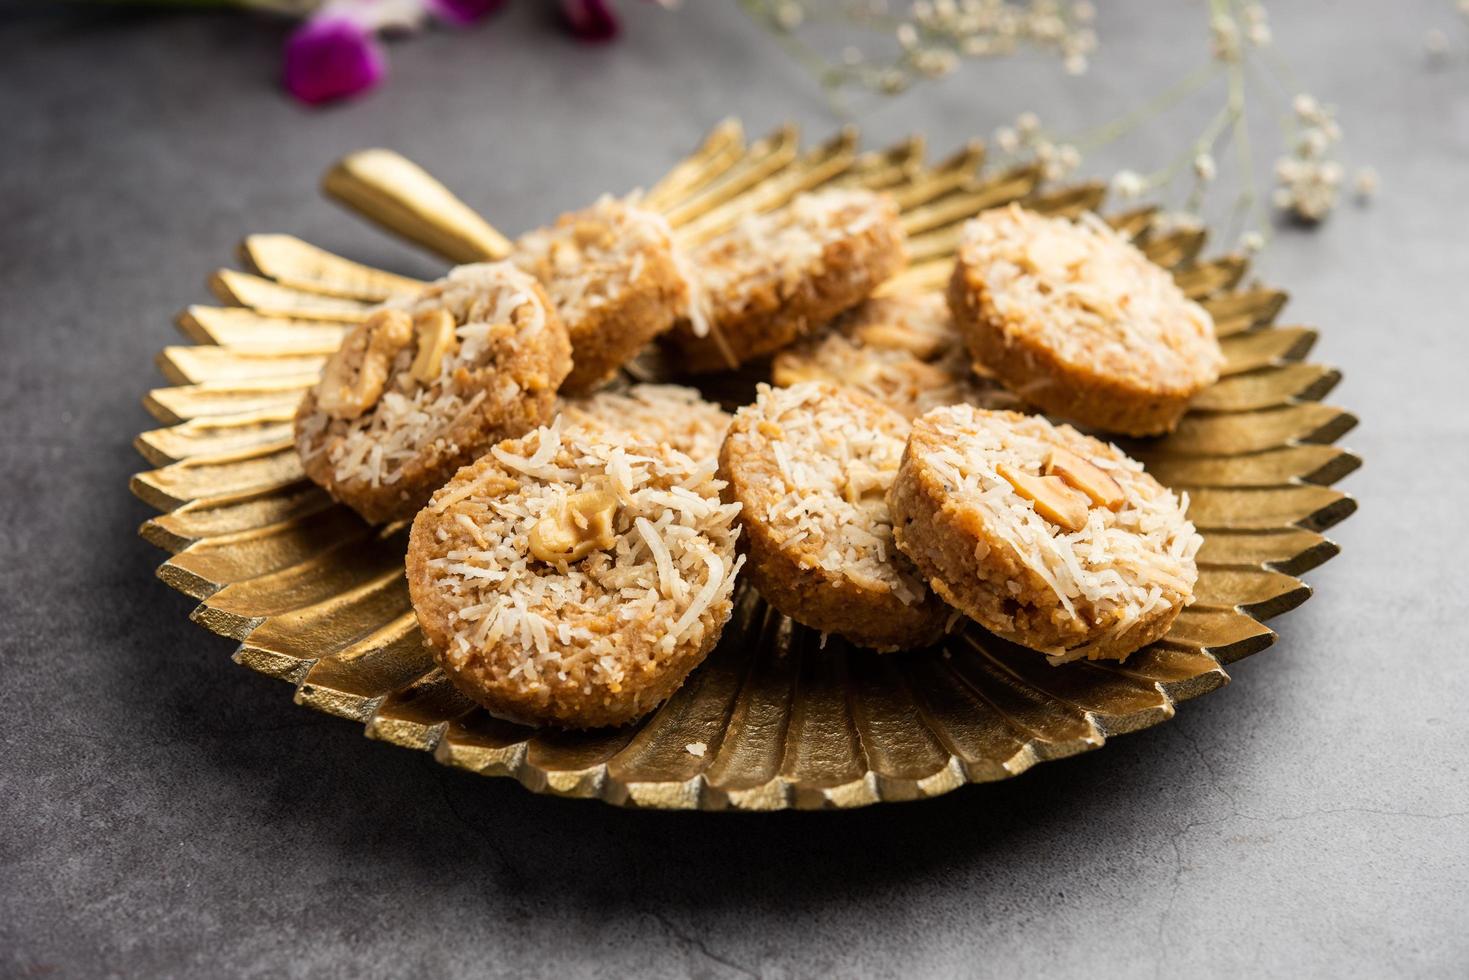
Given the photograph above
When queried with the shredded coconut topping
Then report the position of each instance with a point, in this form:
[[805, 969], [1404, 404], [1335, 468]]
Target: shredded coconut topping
[[657, 414], [590, 258], [664, 585], [1088, 294], [490, 303], [835, 455], [1122, 566], [902, 350], [767, 256]]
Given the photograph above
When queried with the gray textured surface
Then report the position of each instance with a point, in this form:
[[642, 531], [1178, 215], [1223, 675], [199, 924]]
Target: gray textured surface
[[163, 812]]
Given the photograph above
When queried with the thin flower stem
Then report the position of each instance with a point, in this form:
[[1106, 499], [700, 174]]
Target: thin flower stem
[[1282, 73], [1249, 197], [926, 40], [1165, 175], [828, 77], [1107, 132]]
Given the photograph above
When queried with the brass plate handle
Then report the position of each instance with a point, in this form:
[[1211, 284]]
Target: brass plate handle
[[394, 192]]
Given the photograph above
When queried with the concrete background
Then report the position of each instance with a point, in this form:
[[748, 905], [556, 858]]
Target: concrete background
[[166, 813]]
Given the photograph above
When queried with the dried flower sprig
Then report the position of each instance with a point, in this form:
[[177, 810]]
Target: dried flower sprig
[[902, 43], [930, 36]]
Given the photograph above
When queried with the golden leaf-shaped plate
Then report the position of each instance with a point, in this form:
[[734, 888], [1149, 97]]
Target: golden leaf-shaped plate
[[317, 598]]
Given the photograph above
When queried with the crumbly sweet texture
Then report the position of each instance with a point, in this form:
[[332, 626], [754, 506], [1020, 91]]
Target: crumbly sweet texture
[[810, 467], [775, 277], [612, 274], [497, 353], [902, 350], [598, 640], [670, 415], [1114, 585], [1076, 320]]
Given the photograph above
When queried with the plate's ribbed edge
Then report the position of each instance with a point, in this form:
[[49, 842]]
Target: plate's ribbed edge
[[258, 544]]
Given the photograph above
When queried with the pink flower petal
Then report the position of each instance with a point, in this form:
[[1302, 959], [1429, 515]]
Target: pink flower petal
[[590, 20], [331, 58], [464, 12]]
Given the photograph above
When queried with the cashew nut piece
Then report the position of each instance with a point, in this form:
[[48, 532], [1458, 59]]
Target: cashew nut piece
[[435, 331], [1053, 499], [354, 376], [576, 529], [1085, 476]]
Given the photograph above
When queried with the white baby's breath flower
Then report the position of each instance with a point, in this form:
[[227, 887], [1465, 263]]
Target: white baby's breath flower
[[1314, 201], [1205, 168], [1365, 184], [1309, 189], [1128, 184], [1058, 159], [1224, 38], [976, 46], [790, 15], [1313, 143], [1257, 25], [893, 81], [935, 62], [1047, 26]]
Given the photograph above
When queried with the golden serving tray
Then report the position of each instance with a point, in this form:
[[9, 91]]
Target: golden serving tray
[[318, 598]]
